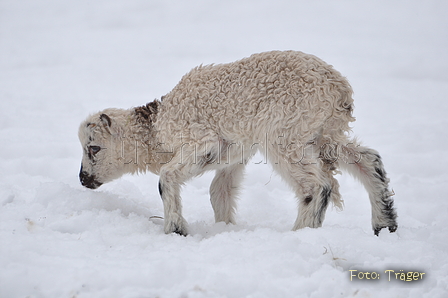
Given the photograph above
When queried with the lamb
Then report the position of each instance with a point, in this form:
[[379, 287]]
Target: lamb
[[292, 107]]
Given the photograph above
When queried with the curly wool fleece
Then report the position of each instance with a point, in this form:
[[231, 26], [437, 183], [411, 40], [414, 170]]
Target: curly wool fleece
[[292, 107]]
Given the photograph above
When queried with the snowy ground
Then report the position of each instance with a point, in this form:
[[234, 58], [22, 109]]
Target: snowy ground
[[61, 60]]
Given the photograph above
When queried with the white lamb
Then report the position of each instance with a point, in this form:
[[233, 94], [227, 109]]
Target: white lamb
[[292, 107]]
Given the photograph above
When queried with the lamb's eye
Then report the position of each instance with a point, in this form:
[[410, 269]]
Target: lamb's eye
[[94, 149]]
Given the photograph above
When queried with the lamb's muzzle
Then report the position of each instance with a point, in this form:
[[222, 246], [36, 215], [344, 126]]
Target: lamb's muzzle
[[87, 180]]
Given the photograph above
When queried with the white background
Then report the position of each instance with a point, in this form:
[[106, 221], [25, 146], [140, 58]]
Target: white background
[[62, 60]]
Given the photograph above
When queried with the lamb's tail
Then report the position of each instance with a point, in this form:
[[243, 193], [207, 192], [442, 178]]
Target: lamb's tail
[[365, 164]]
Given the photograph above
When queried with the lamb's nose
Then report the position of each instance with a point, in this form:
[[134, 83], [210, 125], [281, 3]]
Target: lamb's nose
[[87, 180]]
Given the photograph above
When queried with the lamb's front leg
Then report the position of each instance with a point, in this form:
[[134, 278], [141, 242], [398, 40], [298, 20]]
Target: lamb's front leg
[[223, 192], [169, 189]]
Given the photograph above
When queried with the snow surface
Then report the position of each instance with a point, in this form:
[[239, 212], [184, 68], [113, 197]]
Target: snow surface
[[61, 60]]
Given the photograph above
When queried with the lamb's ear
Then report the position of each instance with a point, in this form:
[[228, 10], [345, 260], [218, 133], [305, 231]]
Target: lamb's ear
[[106, 120], [114, 130]]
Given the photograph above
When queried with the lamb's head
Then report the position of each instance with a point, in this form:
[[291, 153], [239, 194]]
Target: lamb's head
[[100, 137]]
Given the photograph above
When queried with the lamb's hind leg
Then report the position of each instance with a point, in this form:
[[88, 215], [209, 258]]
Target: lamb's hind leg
[[313, 190], [311, 185], [366, 165], [313, 202], [224, 190]]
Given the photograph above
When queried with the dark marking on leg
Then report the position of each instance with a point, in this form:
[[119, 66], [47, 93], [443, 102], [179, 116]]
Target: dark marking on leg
[[388, 205], [389, 212], [160, 190], [378, 157], [383, 195], [325, 197], [380, 174]]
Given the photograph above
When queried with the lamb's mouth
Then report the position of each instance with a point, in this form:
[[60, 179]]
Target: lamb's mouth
[[88, 181]]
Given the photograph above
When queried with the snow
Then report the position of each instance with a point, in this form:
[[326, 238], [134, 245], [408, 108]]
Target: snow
[[61, 60]]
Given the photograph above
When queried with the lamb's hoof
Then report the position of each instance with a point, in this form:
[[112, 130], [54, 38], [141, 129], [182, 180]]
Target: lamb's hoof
[[378, 229], [175, 228], [392, 228], [180, 231]]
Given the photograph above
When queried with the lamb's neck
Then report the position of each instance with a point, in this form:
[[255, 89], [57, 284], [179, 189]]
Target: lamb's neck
[[140, 144]]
